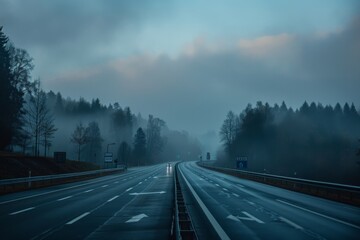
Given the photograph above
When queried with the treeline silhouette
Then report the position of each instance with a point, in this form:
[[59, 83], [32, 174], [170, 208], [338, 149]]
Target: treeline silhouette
[[313, 142], [37, 123]]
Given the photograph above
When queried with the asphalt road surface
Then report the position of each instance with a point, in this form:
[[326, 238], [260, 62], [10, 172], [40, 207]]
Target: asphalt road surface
[[242, 209], [136, 204]]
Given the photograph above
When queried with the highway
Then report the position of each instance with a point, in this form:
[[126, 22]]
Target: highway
[[242, 209], [136, 204]]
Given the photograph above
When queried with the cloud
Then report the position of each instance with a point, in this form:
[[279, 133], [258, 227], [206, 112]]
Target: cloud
[[195, 90]]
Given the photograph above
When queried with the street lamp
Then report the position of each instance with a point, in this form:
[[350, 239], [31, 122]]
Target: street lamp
[[107, 147]]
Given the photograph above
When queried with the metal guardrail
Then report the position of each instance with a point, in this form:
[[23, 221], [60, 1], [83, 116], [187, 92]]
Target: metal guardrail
[[12, 181], [334, 191], [183, 227]]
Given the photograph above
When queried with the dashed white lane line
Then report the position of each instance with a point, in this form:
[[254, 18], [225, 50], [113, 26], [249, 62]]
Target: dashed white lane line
[[128, 189], [140, 183], [21, 211], [90, 190], [249, 202], [225, 189], [116, 182], [240, 185], [221, 233], [217, 185], [64, 198], [236, 195], [104, 185], [294, 225], [111, 199], [319, 214], [78, 218]]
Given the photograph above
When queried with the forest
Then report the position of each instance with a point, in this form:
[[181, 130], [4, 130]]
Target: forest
[[37, 123], [313, 142]]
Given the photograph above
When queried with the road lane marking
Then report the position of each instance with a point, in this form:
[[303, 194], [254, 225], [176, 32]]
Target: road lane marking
[[147, 193], [77, 218], [140, 183], [64, 198], [217, 185], [251, 217], [221, 233], [236, 195], [21, 211], [116, 182], [136, 218], [128, 189], [90, 190], [104, 185], [240, 185], [225, 189], [294, 225], [111, 199], [319, 214]]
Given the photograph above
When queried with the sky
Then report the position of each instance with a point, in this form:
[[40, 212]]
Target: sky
[[190, 62]]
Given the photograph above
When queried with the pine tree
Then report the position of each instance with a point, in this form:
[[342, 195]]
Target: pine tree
[[11, 98], [139, 146]]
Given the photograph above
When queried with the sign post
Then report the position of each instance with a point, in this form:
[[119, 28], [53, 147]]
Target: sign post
[[241, 162]]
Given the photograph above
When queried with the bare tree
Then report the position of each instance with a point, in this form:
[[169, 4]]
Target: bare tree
[[38, 118], [79, 137], [229, 129], [154, 140], [48, 130]]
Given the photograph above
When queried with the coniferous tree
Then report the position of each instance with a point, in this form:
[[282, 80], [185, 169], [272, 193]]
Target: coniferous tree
[[139, 146], [11, 98]]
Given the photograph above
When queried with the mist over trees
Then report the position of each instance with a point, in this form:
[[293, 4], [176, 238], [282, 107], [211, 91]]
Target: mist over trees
[[33, 120], [314, 141]]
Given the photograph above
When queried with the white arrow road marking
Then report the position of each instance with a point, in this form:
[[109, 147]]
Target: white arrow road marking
[[146, 193], [21, 211], [248, 218], [232, 217], [136, 218], [77, 218]]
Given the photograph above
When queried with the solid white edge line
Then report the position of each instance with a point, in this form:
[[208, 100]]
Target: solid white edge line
[[222, 234], [77, 218], [319, 214], [294, 225], [21, 211], [111, 199]]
